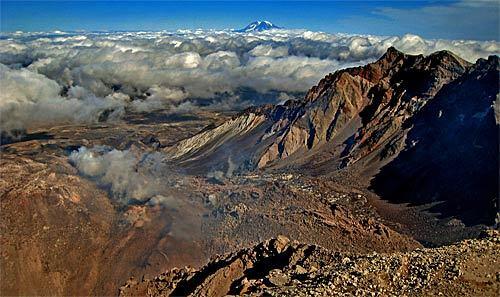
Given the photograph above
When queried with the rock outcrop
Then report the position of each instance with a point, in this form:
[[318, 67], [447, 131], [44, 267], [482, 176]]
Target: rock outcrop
[[280, 267]]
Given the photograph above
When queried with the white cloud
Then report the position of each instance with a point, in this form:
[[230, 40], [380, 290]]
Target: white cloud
[[131, 176], [269, 51], [29, 99], [143, 71]]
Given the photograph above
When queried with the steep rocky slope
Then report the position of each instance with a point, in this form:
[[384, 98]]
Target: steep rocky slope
[[350, 107], [361, 118], [280, 267], [362, 107], [451, 150]]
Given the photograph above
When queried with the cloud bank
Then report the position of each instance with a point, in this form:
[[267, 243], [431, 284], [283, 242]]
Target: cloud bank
[[30, 98], [58, 77]]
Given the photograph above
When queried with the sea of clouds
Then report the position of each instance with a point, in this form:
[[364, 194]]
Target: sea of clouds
[[60, 77]]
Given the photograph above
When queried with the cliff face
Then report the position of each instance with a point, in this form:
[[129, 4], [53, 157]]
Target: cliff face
[[362, 118], [451, 150], [364, 107]]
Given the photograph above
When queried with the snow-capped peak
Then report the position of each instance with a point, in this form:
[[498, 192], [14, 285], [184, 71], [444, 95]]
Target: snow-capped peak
[[259, 26]]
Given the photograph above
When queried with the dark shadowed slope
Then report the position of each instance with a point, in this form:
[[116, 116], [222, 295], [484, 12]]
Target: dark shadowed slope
[[451, 150]]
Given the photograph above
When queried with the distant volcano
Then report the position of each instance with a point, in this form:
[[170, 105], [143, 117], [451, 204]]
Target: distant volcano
[[259, 26]]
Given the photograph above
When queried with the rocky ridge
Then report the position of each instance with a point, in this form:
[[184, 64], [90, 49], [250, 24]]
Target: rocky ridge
[[356, 103], [280, 267], [361, 119]]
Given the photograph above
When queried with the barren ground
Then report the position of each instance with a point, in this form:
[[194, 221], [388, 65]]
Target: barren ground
[[62, 234]]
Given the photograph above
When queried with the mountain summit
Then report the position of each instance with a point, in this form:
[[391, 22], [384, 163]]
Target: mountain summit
[[259, 26], [418, 127]]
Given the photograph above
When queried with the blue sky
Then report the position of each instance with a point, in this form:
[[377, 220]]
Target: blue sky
[[432, 19]]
